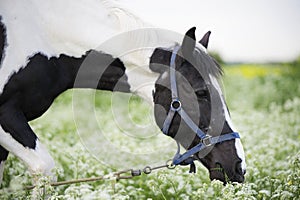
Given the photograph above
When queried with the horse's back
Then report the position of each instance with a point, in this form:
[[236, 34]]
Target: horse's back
[[51, 28]]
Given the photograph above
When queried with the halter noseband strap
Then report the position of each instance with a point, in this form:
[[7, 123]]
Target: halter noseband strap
[[206, 140]]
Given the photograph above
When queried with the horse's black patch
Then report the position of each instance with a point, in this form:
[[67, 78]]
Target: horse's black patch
[[101, 71], [2, 39], [30, 91], [3, 154]]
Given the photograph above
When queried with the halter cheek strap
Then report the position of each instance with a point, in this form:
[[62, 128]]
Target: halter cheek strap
[[188, 157]]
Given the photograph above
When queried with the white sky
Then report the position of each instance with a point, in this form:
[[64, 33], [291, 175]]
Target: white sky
[[249, 31]]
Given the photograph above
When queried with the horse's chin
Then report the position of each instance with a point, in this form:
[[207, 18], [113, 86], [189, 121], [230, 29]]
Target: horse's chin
[[221, 175], [217, 175]]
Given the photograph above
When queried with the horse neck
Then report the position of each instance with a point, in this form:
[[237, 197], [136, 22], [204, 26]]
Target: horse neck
[[122, 36], [94, 70], [60, 31], [98, 70]]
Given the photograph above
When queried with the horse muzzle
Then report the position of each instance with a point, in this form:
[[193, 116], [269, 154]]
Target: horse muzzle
[[226, 175]]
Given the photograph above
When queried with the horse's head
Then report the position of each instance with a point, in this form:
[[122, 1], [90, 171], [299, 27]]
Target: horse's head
[[193, 105]]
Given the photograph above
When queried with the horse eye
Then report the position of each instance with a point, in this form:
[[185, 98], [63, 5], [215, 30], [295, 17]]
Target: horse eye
[[201, 93]]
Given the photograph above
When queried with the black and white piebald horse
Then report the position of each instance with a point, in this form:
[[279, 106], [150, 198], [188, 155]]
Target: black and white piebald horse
[[43, 46]]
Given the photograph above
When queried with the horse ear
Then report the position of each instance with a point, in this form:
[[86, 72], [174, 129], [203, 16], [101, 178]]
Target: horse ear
[[189, 43], [205, 39]]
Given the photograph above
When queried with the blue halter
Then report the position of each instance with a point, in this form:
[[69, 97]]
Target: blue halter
[[188, 157]]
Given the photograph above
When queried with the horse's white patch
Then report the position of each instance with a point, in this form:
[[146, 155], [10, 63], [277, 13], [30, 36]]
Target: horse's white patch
[[74, 27], [227, 116], [240, 153], [141, 82], [164, 75], [55, 27], [1, 170], [47, 163], [238, 143], [38, 160]]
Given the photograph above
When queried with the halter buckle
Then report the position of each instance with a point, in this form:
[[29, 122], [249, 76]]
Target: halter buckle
[[206, 141], [176, 104]]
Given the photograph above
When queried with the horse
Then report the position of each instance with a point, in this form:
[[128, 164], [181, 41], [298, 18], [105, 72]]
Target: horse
[[41, 56]]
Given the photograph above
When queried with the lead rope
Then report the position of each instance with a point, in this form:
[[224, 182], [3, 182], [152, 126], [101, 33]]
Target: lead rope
[[124, 174], [187, 161]]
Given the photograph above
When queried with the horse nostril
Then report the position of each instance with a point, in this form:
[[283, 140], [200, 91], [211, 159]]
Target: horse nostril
[[244, 171]]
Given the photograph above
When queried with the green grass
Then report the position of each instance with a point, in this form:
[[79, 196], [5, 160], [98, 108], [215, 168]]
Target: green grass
[[264, 102]]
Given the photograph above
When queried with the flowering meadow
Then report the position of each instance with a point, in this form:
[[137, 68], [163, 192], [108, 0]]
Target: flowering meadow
[[264, 102]]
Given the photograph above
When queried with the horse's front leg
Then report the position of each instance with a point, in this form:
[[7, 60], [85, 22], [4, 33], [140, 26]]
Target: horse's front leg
[[17, 137], [3, 157]]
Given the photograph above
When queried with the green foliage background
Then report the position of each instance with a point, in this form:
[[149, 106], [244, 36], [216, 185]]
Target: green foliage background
[[264, 101]]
